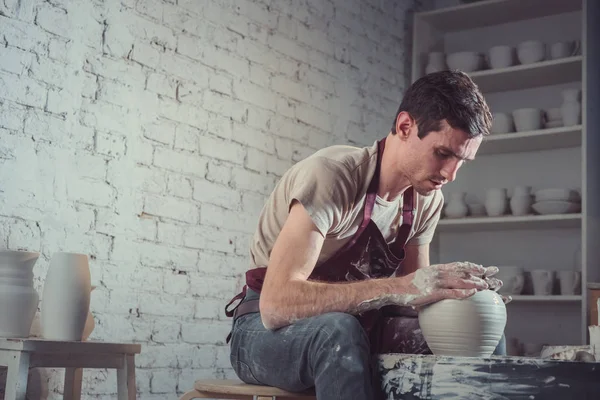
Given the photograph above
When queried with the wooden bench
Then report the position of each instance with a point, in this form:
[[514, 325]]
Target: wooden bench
[[233, 390]]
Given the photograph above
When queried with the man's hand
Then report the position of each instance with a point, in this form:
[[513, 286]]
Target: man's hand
[[456, 280], [494, 283]]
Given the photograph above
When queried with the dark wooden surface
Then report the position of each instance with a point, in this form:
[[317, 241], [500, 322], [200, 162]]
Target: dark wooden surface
[[413, 377]]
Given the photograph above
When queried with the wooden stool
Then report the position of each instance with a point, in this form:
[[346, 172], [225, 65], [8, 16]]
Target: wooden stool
[[234, 389]]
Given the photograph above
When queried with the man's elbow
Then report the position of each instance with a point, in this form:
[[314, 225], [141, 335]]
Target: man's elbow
[[271, 314]]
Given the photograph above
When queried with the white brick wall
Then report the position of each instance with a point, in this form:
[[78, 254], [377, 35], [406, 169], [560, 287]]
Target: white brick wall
[[148, 134]]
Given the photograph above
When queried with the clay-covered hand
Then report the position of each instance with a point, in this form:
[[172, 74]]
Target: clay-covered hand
[[456, 280], [494, 283]]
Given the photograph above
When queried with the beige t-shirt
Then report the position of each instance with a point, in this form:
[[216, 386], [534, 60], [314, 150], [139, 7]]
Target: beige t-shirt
[[332, 185]]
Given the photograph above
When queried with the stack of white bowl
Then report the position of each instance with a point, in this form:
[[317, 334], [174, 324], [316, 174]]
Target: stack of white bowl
[[556, 201]]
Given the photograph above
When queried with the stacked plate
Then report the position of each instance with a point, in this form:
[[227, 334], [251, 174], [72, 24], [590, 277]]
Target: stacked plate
[[556, 201]]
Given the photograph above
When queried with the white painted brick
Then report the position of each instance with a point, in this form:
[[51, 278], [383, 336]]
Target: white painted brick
[[213, 193], [145, 54], [255, 138], [200, 357], [151, 8], [150, 31], [277, 166], [221, 149], [150, 180], [256, 52], [91, 192], [260, 76], [286, 107], [185, 113], [288, 47], [169, 207], [258, 32], [218, 172], [179, 162], [170, 233], [224, 105], [166, 330], [224, 265], [162, 131], [247, 180], [219, 288], [163, 381], [207, 237], [142, 152], [111, 223], [25, 91], [289, 128], [110, 145], [290, 89], [288, 26], [168, 305], [162, 84], [254, 94], [25, 235], [223, 218], [186, 138], [179, 186], [222, 60], [190, 93], [58, 49], [157, 255], [176, 283], [253, 203], [24, 36], [157, 356], [312, 116], [188, 376], [242, 244], [205, 333], [126, 72], [220, 126], [256, 160], [236, 30], [289, 68], [108, 117], [185, 68], [189, 46], [14, 60], [12, 115], [208, 309], [220, 84], [53, 19]]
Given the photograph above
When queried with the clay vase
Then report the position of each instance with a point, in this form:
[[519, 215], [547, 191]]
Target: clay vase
[[496, 202], [66, 297], [571, 107], [457, 207], [18, 298], [470, 327]]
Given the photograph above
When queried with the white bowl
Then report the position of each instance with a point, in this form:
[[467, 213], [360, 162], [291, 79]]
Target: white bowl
[[557, 194], [466, 61], [531, 51], [555, 207], [527, 119], [501, 56], [502, 123]]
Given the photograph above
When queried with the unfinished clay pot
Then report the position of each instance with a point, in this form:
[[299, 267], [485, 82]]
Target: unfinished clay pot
[[471, 327]]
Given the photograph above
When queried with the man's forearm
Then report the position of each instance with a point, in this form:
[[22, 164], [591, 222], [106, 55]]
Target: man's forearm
[[303, 299]]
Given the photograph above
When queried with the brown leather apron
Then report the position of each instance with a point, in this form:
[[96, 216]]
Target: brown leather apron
[[367, 255]]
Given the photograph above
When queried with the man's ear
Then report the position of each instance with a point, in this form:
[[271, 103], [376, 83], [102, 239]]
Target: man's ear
[[404, 123]]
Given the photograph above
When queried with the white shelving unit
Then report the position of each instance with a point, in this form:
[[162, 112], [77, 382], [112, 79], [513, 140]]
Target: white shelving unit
[[563, 157]]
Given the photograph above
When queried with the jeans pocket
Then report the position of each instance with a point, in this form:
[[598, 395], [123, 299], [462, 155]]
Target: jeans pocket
[[245, 374]]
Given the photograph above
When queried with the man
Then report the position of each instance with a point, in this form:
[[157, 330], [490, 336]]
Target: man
[[341, 252]]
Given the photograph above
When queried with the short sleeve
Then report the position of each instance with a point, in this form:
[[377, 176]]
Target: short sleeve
[[429, 216], [324, 188]]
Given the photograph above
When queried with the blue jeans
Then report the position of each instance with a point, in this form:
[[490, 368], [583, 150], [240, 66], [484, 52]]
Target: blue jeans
[[329, 352]]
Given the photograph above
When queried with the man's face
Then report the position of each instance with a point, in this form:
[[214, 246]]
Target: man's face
[[434, 160]]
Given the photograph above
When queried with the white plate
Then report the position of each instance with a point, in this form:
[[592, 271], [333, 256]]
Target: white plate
[[553, 123], [555, 207]]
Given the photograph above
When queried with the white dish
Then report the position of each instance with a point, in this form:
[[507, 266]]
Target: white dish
[[557, 194], [555, 207]]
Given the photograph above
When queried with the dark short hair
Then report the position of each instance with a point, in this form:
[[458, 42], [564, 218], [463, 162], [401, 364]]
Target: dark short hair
[[449, 95]]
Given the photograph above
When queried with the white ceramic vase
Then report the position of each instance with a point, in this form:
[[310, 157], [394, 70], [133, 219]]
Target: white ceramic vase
[[496, 202], [471, 327], [457, 207], [18, 298], [90, 323], [66, 297], [570, 108]]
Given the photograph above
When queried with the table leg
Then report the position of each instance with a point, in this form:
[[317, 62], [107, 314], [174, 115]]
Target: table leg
[[18, 371], [73, 378], [126, 379]]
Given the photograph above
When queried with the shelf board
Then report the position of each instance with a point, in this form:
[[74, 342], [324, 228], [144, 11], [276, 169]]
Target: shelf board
[[509, 222], [543, 73], [545, 139], [556, 298], [494, 12]]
